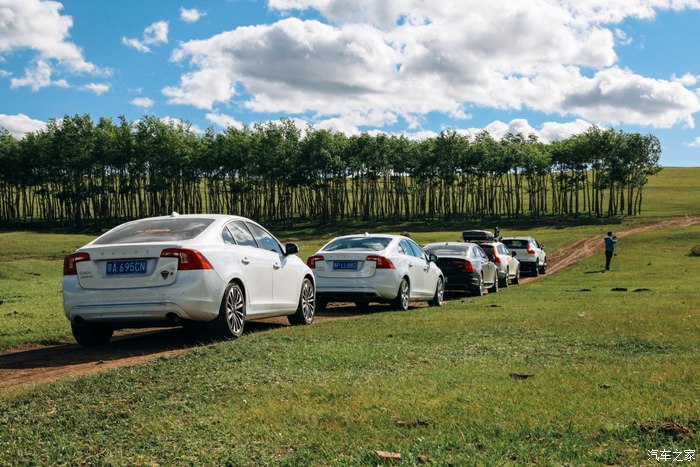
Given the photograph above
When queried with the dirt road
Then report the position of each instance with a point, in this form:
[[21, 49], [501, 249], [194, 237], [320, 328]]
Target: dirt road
[[39, 363]]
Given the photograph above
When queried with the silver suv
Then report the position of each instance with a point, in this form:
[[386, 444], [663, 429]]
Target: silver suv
[[529, 252]]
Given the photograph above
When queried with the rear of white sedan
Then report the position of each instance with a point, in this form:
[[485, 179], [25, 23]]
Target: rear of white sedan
[[174, 270], [375, 268]]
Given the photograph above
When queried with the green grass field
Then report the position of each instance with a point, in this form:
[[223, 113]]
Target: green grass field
[[615, 373]]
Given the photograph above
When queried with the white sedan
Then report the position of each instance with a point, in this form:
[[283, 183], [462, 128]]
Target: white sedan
[[180, 269], [376, 268]]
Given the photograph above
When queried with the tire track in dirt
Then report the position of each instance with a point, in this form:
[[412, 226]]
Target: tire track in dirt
[[36, 363]]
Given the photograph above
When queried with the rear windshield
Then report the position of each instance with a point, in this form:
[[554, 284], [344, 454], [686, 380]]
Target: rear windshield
[[488, 249], [358, 243], [155, 230], [447, 250], [522, 244]]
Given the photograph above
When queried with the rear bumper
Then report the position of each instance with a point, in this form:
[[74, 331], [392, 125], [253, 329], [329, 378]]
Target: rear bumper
[[527, 266], [197, 301], [357, 289], [462, 281]]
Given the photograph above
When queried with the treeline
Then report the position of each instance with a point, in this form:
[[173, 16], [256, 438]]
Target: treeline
[[81, 173]]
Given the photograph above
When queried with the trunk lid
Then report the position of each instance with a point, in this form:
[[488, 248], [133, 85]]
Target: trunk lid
[[127, 266]]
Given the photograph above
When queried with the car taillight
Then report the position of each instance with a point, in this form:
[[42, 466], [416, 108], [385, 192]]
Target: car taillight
[[465, 266], [382, 262], [311, 261], [530, 250], [496, 259], [69, 268], [188, 260]]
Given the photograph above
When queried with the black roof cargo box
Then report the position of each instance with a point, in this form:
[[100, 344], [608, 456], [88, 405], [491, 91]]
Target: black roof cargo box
[[477, 235]]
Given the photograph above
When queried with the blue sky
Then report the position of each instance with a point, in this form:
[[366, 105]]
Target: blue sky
[[410, 67]]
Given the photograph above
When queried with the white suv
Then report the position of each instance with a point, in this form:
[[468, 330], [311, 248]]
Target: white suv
[[529, 252]]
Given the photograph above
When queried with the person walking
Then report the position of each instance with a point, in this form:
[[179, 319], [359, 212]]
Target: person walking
[[610, 241]]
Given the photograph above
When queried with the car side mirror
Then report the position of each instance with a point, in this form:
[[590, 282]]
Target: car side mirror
[[291, 248], [541, 247], [513, 254], [432, 257]]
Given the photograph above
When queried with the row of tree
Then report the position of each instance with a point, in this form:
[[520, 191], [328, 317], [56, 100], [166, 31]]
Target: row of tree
[[83, 173]]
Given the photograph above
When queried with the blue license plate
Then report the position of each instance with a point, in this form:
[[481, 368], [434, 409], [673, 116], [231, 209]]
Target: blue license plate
[[127, 266], [345, 265]]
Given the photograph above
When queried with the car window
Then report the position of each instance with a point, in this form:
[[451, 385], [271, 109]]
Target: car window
[[264, 239], [241, 234], [358, 243], [460, 250], [534, 243], [404, 247], [416, 250], [479, 253], [518, 244], [170, 229], [502, 250], [227, 237], [487, 249]]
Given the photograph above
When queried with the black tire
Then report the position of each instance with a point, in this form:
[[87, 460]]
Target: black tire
[[504, 283], [494, 287], [479, 291], [403, 296], [307, 304], [439, 296], [91, 334], [516, 279], [231, 320], [543, 269], [536, 271]]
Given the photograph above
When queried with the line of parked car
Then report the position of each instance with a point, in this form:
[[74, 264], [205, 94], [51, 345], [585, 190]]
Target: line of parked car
[[221, 270]]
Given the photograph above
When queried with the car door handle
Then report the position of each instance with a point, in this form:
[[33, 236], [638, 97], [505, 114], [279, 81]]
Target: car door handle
[[276, 266], [245, 260], [410, 265]]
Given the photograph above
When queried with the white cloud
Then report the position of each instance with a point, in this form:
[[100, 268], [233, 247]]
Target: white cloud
[[695, 143], [38, 77], [38, 26], [223, 121], [154, 34], [375, 63], [144, 102], [190, 15], [183, 124], [686, 80], [20, 124], [96, 88]]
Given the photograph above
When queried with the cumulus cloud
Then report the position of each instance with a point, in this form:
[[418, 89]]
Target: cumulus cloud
[[37, 77], [39, 26], [154, 34], [96, 88], [223, 120], [144, 102], [372, 64], [695, 143], [20, 124], [686, 80], [190, 15], [182, 124]]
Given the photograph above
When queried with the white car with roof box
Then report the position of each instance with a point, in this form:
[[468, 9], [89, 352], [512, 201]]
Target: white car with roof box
[[179, 269], [376, 268]]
